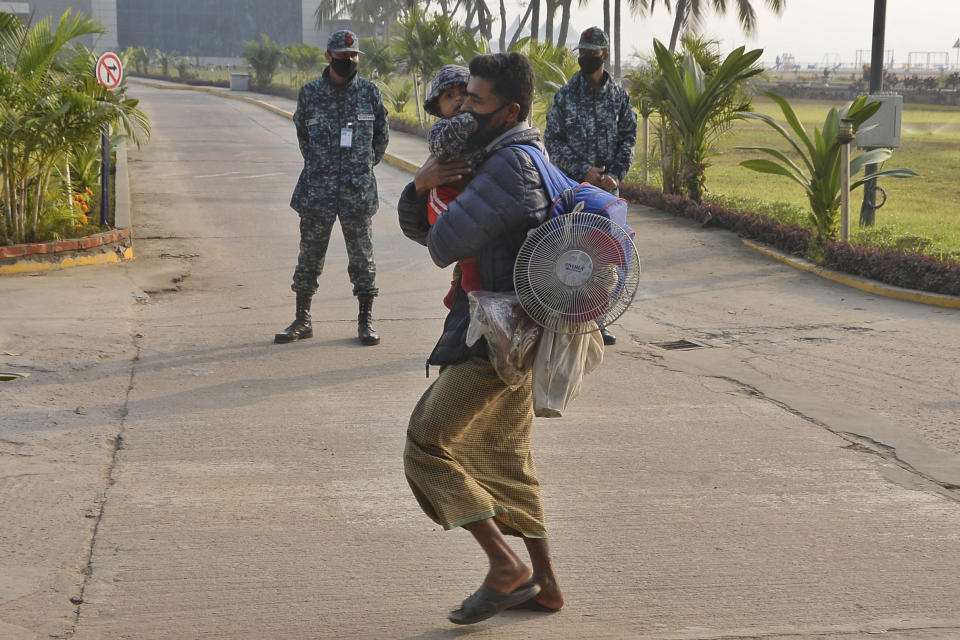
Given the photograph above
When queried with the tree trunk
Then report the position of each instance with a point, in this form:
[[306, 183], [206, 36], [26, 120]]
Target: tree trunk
[[606, 16], [535, 20], [416, 92], [645, 150], [616, 39], [678, 20], [564, 23], [551, 11], [503, 26], [523, 21], [486, 24]]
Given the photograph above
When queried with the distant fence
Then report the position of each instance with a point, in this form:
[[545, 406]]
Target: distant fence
[[839, 92]]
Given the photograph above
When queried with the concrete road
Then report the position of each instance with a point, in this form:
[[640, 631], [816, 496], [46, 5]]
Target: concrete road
[[168, 472]]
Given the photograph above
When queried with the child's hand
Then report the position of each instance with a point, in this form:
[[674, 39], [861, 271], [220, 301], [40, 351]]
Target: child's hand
[[608, 183], [594, 175], [433, 174]]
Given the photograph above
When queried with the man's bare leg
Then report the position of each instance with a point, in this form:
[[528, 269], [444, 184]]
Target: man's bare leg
[[507, 570], [544, 574]]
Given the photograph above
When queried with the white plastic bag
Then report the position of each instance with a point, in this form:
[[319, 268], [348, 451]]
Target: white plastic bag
[[561, 362], [511, 334]]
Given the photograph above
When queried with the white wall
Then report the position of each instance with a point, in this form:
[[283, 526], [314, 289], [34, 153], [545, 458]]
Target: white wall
[[310, 33], [106, 12]]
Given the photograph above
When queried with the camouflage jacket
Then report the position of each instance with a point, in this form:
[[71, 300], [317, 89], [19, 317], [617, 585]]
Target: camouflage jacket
[[339, 178], [591, 126]]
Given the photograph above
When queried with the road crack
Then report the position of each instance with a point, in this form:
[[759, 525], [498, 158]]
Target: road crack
[[857, 441], [109, 481]]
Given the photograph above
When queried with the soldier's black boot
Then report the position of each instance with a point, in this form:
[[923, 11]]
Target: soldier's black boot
[[365, 330], [301, 328], [608, 338]]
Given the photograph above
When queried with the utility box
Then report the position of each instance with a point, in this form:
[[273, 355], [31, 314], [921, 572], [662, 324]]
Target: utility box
[[239, 82], [886, 133]]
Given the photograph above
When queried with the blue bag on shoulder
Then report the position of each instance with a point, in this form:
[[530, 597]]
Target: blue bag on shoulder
[[566, 195]]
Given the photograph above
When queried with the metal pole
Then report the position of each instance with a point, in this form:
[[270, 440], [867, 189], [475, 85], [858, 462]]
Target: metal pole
[[845, 136], [845, 192], [868, 210], [645, 145], [105, 177]]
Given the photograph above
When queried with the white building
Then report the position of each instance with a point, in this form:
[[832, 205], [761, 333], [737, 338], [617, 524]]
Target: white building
[[201, 28]]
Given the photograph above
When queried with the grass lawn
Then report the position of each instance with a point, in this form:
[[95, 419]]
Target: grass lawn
[[926, 206]]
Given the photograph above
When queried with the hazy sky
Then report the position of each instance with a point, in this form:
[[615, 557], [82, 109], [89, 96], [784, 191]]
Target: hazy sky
[[812, 30]]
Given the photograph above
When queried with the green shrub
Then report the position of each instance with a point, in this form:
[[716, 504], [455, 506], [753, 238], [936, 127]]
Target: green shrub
[[264, 56]]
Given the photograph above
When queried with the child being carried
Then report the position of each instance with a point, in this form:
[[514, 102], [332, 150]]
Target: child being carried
[[448, 142]]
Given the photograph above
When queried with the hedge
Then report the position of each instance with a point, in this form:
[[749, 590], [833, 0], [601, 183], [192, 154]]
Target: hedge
[[906, 269]]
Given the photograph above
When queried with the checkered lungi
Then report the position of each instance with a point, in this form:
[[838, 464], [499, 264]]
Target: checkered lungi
[[468, 456]]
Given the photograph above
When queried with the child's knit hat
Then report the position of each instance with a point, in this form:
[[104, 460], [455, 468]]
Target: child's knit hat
[[449, 75]]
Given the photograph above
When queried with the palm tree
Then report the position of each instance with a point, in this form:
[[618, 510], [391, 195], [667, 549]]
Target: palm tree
[[264, 55], [818, 172], [305, 59], [699, 105], [476, 10], [378, 61], [414, 45], [637, 8], [52, 104], [382, 14], [690, 13]]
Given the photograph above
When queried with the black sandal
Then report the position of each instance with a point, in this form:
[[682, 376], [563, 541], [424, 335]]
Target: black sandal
[[486, 603]]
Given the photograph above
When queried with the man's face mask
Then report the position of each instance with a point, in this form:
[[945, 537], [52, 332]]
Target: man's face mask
[[345, 67], [589, 64], [481, 137]]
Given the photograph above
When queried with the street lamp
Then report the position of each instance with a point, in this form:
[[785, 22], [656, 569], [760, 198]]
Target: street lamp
[[845, 135]]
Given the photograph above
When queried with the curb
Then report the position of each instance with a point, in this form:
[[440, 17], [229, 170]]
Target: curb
[[108, 247], [856, 282]]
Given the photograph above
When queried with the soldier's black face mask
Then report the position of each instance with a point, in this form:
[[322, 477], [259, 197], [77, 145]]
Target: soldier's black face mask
[[345, 68], [481, 137], [589, 64]]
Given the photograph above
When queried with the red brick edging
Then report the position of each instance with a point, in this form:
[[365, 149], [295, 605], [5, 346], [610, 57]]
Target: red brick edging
[[25, 258], [74, 244]]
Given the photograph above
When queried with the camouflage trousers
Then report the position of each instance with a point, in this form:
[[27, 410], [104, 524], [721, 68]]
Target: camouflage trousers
[[314, 238]]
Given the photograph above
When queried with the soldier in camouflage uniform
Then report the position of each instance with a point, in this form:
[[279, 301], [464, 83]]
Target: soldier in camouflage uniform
[[591, 127], [342, 130]]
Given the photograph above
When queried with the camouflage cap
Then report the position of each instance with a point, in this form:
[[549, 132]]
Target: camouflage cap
[[449, 75], [593, 38], [343, 40]]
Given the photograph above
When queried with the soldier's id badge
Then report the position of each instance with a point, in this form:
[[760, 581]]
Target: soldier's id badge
[[346, 137], [365, 117]]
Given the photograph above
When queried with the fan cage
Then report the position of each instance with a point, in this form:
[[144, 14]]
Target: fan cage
[[576, 272]]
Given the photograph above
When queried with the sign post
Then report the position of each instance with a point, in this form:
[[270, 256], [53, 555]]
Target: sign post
[[109, 73]]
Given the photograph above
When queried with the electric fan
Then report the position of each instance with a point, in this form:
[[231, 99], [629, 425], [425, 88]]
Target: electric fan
[[576, 271]]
